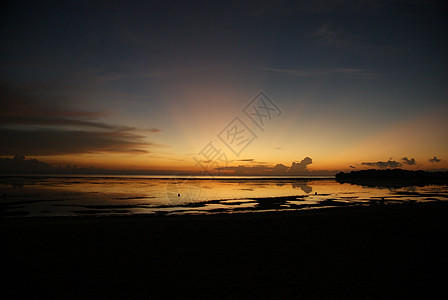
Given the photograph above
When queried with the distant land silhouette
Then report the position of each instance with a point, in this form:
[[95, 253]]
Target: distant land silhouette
[[20, 165], [393, 177]]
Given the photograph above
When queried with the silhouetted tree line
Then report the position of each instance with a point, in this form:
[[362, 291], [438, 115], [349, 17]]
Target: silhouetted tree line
[[393, 177]]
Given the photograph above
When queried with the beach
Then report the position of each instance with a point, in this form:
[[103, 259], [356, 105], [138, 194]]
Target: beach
[[391, 251]]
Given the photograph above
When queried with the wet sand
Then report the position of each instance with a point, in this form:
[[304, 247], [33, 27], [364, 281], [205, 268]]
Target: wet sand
[[393, 251]]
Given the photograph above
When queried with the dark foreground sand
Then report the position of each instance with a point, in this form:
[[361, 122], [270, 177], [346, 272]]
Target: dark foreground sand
[[388, 252]]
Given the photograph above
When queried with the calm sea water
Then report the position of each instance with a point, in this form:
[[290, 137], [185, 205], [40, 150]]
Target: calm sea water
[[132, 195]]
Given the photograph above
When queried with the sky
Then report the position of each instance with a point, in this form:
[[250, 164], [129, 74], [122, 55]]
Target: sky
[[238, 87]]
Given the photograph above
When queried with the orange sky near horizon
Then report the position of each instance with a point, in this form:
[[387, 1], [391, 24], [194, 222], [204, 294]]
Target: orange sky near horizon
[[148, 86], [414, 138]]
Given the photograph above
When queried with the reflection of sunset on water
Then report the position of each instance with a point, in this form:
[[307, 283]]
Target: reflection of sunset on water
[[54, 196]]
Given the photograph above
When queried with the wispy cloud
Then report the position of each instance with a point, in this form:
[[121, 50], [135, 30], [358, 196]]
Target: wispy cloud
[[100, 76], [33, 124], [303, 73], [153, 130], [330, 35], [289, 7], [61, 142]]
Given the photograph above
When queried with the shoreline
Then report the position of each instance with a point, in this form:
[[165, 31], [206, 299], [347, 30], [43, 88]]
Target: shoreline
[[171, 176], [245, 205], [361, 252], [314, 210]]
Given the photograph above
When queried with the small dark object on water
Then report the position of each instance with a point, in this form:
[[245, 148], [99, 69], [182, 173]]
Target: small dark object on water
[[315, 193], [178, 195]]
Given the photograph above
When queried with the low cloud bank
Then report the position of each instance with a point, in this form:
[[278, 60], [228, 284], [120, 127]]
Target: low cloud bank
[[383, 164], [36, 121], [409, 162], [296, 168], [435, 160]]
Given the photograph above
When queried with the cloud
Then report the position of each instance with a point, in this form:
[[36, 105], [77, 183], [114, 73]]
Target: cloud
[[435, 160], [383, 164], [245, 170], [352, 167], [280, 169], [329, 35], [33, 124], [153, 130], [98, 76], [409, 162], [7, 121], [290, 7], [60, 142], [300, 168], [27, 100], [302, 73]]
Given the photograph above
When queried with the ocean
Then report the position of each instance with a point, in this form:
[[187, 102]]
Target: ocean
[[82, 195]]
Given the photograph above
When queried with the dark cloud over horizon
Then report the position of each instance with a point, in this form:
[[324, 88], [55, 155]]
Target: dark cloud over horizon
[[296, 168], [409, 162], [435, 160], [383, 164], [300, 168], [34, 125], [280, 169]]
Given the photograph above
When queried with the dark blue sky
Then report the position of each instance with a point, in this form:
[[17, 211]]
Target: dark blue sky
[[347, 74]]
